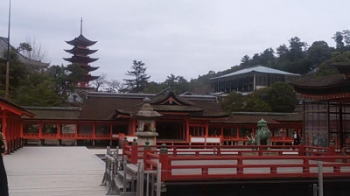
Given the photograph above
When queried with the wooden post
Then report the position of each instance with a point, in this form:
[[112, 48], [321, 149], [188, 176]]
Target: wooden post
[[187, 131], [301, 150], [164, 160], [331, 150], [4, 128], [134, 152], [41, 133], [306, 169], [320, 178], [110, 133], [239, 166]]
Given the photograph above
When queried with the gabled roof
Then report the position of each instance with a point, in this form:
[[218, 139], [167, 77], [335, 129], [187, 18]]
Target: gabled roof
[[103, 106], [169, 98], [253, 117], [257, 69]]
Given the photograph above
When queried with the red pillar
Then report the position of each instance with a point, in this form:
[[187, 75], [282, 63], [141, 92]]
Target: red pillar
[[110, 131], [4, 128], [132, 127], [94, 131], [40, 129], [187, 127], [206, 132]]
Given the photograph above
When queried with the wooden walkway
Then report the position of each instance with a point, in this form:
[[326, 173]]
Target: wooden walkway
[[54, 171]]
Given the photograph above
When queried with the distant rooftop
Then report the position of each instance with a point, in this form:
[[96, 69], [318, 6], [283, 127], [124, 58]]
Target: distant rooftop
[[149, 95], [259, 69], [21, 58]]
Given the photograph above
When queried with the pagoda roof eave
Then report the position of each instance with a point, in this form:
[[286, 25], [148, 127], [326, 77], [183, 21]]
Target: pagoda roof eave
[[90, 68], [80, 59], [81, 41], [77, 50]]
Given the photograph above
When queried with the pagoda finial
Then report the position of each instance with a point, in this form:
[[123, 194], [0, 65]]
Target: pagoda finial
[[81, 25]]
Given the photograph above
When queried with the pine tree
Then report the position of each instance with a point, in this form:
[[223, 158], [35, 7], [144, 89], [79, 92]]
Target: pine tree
[[139, 78]]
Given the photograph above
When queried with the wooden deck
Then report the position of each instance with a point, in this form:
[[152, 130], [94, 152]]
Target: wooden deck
[[54, 171]]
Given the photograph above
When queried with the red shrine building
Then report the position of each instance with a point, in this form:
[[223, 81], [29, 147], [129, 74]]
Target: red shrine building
[[11, 123], [196, 119], [326, 108]]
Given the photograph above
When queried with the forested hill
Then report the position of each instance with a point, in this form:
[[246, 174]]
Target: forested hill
[[51, 86], [296, 57]]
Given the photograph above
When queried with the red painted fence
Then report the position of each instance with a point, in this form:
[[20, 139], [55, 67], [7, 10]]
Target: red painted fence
[[184, 162]]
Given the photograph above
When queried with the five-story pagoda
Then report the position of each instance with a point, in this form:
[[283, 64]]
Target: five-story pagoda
[[81, 52]]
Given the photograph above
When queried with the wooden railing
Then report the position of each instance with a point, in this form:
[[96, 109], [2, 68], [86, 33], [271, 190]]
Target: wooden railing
[[185, 162]]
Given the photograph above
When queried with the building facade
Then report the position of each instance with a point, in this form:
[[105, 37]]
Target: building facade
[[326, 108], [250, 79], [105, 118]]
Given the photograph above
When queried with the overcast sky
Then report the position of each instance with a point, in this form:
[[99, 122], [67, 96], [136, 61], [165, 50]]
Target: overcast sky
[[183, 37]]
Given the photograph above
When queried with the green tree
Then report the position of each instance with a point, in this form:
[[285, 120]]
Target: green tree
[[59, 75], [38, 89], [178, 84], [139, 79], [233, 102], [154, 87], [255, 104], [318, 52], [338, 38], [245, 61], [279, 96], [75, 73]]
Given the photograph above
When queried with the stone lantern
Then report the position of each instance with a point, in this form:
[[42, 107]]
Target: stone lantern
[[146, 130]]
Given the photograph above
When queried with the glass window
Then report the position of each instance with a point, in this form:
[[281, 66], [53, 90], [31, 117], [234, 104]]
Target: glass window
[[69, 128]]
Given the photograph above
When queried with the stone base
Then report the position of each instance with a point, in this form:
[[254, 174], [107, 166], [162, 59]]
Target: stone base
[[143, 137]]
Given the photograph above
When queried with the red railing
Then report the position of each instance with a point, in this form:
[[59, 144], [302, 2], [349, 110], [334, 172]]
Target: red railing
[[30, 135], [185, 162], [245, 167], [68, 135], [49, 135]]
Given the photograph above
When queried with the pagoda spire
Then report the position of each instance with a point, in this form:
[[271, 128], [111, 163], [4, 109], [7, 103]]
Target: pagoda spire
[[81, 26], [80, 56]]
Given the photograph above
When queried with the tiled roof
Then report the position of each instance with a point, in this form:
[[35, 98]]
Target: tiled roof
[[8, 104], [62, 113], [259, 69], [325, 85], [101, 106], [254, 117]]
